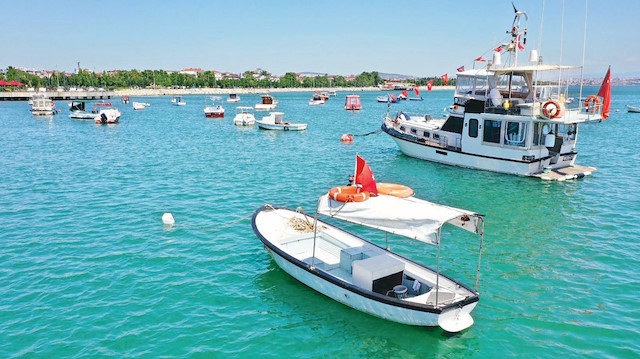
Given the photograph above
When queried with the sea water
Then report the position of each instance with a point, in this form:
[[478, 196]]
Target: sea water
[[87, 268]]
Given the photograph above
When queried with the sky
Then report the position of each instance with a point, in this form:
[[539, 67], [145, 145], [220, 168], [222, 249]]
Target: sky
[[420, 38]]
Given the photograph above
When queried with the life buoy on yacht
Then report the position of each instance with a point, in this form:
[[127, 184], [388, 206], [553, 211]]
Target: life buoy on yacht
[[551, 109], [592, 103], [396, 190], [348, 194]]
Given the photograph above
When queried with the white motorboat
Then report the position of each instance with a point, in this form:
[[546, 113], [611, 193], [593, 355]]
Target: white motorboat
[[42, 106], [106, 113], [504, 119], [78, 111], [178, 101], [268, 103], [138, 106], [275, 122], [316, 100], [233, 98], [244, 116], [214, 109], [362, 275]]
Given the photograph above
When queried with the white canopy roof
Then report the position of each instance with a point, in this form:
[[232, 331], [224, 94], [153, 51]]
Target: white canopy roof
[[532, 68], [410, 217]]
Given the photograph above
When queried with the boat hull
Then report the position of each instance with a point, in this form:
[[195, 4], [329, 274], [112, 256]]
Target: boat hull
[[262, 107], [214, 114], [282, 127], [456, 158]]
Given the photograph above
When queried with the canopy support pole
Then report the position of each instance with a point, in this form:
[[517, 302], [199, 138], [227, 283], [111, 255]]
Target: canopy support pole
[[438, 267], [480, 252], [315, 231], [386, 240]]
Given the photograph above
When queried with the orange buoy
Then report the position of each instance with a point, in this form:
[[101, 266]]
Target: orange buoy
[[396, 190], [348, 194], [346, 138], [593, 103]]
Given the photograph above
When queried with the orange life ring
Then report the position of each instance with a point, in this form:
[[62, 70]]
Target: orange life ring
[[593, 103], [396, 190], [551, 109], [348, 194]]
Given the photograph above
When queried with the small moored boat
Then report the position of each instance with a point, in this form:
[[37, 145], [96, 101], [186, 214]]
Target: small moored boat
[[106, 113], [244, 116], [633, 108], [316, 99], [365, 276], [42, 106], [275, 122], [178, 101], [138, 106], [268, 103], [78, 111], [352, 103], [214, 109], [233, 98]]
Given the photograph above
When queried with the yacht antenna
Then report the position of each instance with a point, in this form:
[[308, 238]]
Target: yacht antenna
[[515, 32], [561, 46], [584, 45]]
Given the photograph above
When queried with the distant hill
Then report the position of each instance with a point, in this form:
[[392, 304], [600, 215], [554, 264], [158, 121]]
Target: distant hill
[[387, 76]]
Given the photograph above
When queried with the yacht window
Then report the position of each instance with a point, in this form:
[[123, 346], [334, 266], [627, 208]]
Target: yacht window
[[473, 128], [537, 126], [414, 131], [402, 128], [464, 85], [453, 124], [436, 136], [515, 134], [491, 131], [482, 86], [426, 134]]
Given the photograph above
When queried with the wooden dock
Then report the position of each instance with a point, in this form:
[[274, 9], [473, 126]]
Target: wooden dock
[[565, 173], [57, 95]]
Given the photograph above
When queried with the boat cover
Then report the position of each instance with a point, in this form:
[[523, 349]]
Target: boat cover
[[410, 217]]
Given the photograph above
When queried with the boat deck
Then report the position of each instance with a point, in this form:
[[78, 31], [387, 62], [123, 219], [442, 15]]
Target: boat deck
[[565, 173]]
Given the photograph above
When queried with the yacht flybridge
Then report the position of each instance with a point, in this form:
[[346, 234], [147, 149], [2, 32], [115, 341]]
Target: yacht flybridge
[[513, 119]]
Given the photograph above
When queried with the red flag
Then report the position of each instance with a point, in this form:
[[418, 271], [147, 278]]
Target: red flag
[[460, 69], [445, 78], [405, 93], [520, 44], [429, 85], [480, 59], [605, 93], [393, 98], [364, 176], [417, 91], [498, 49]]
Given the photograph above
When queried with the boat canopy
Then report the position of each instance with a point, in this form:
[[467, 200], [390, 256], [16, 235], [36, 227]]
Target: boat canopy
[[410, 217]]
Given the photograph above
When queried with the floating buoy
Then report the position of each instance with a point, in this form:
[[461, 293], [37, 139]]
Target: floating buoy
[[167, 219], [347, 138]]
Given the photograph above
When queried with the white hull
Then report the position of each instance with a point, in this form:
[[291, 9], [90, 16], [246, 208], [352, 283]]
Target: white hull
[[179, 103], [82, 115], [244, 120], [43, 112], [361, 303], [316, 102], [233, 100], [282, 127], [454, 315], [263, 107], [138, 106], [455, 158]]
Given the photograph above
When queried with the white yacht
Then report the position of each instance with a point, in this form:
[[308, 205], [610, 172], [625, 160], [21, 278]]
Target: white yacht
[[275, 121], [42, 106], [106, 113], [512, 119]]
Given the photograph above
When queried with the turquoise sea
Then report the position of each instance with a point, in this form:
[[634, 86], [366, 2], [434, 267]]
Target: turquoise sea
[[87, 268]]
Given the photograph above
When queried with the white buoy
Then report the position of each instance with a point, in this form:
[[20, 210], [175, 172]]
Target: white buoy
[[167, 219]]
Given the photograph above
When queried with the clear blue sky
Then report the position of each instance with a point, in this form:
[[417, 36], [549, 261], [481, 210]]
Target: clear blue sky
[[423, 38]]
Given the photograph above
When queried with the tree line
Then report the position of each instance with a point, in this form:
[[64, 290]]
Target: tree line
[[161, 79]]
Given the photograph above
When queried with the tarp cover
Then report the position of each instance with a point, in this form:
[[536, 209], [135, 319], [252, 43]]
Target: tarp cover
[[410, 217]]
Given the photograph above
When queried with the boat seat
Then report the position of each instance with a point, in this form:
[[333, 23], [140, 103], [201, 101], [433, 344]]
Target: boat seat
[[443, 297], [321, 264]]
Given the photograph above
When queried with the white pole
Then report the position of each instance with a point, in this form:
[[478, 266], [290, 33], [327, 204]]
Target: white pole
[[561, 46], [584, 46], [315, 226], [480, 253], [438, 268]]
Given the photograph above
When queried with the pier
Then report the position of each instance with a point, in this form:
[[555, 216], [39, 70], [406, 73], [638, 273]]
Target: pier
[[57, 95]]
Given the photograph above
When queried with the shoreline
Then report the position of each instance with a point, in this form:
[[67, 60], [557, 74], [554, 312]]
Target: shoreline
[[244, 91]]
